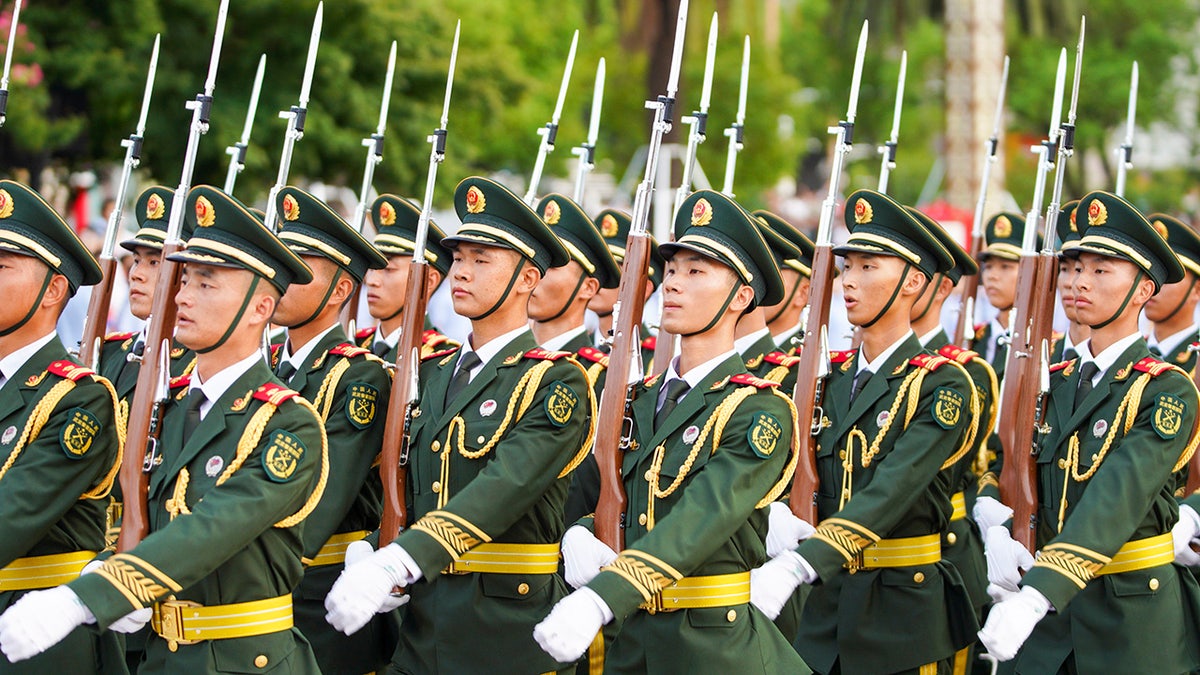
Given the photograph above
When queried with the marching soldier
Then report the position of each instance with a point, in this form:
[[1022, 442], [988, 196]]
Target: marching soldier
[[499, 426], [1117, 428], [243, 463], [614, 227], [1002, 250], [1173, 309], [895, 418], [784, 319], [779, 363], [712, 451], [395, 221], [349, 387], [1068, 232], [59, 440]]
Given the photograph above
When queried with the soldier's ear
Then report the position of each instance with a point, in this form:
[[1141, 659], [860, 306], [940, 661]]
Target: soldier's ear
[[588, 290], [800, 299], [58, 292]]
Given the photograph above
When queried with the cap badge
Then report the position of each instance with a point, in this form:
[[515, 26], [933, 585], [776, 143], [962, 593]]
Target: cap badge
[[1160, 228], [1003, 227], [475, 201], [863, 213], [608, 226], [155, 208], [1074, 228], [552, 213], [204, 212], [702, 213], [387, 214], [1097, 213], [6, 204], [291, 208]]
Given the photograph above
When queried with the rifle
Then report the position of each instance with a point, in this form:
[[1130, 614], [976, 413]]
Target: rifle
[[737, 131], [12, 41], [966, 316], [814, 358], [1193, 477], [614, 427], [295, 116], [587, 151], [374, 146], [237, 151], [145, 408], [887, 151], [405, 394], [549, 133], [96, 321], [1125, 150]]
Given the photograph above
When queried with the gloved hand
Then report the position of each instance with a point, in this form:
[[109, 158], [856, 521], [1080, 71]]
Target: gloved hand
[[988, 513], [1011, 621], [362, 590], [572, 625], [1184, 532], [784, 530], [40, 620], [359, 551], [133, 621], [1006, 559], [772, 584], [583, 556]]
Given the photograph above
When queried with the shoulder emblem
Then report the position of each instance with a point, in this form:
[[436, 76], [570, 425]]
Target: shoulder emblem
[[1167, 417], [282, 455], [274, 393], [594, 355], [79, 432], [750, 380], [947, 407], [781, 359], [348, 350], [560, 403], [545, 354], [1153, 366], [69, 370], [764, 434], [929, 362], [362, 403], [118, 337]]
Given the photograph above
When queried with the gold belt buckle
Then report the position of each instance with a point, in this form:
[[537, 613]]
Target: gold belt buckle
[[856, 563], [654, 605], [168, 622]]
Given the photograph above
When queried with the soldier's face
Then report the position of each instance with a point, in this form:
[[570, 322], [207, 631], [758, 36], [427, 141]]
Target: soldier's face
[[302, 301], [1066, 287], [868, 282], [1173, 297], [554, 291], [479, 277], [143, 278], [21, 277], [1000, 281], [693, 288], [1101, 285], [602, 303], [208, 300], [387, 288]]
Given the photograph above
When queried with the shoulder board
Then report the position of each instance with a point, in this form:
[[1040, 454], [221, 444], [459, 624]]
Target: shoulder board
[[841, 357], [364, 333], [650, 380], [181, 381], [1061, 365], [69, 370], [594, 355], [1153, 366], [748, 379], [781, 359], [441, 352], [545, 354], [274, 393], [957, 353], [979, 330], [118, 337], [348, 350], [650, 342], [928, 361], [432, 338]]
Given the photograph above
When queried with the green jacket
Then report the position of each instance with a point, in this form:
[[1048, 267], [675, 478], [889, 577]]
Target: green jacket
[[54, 486], [984, 337], [1183, 355], [1112, 497], [431, 341], [709, 517], [754, 355], [218, 534], [895, 618], [478, 475]]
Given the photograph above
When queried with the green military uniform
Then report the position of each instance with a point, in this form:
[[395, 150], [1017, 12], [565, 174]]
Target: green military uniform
[[882, 458], [59, 446], [349, 386], [1105, 493], [488, 475], [227, 501], [790, 249], [1003, 235], [1184, 241]]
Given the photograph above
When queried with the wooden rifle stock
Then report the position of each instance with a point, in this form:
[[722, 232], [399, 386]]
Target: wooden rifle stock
[[964, 336], [96, 322], [611, 425], [809, 386], [1193, 479]]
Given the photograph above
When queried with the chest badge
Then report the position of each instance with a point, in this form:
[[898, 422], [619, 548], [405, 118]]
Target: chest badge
[[213, 466], [9, 434], [1099, 428], [690, 434], [882, 418], [487, 408]]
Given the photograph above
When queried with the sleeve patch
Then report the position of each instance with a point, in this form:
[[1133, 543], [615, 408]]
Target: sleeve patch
[[282, 456], [362, 403], [1167, 417], [79, 432], [560, 404], [764, 434], [947, 407]]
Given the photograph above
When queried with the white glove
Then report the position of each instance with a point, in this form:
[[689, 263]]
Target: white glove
[[365, 588], [785, 531], [772, 584], [1010, 622], [133, 621], [40, 620], [988, 513], [1184, 532], [583, 555], [359, 551], [569, 629], [1006, 559]]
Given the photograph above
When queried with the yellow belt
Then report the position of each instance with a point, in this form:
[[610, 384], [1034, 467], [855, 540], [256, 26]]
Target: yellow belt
[[1142, 554], [719, 590], [959, 502], [184, 622], [43, 571], [508, 559], [905, 552], [334, 550]]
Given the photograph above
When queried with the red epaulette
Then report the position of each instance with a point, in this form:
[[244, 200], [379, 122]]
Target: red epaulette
[[69, 370], [650, 342], [545, 354], [594, 355], [441, 353], [275, 348], [928, 361], [781, 359], [956, 353], [748, 379], [1153, 366], [118, 337], [651, 379], [841, 357], [181, 381], [979, 327], [1061, 365], [348, 350], [364, 333], [274, 393], [432, 338]]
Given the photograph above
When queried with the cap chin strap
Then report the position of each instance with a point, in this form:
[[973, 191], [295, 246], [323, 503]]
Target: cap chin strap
[[236, 320], [1184, 299], [895, 294], [512, 281], [737, 285], [937, 280], [787, 302], [37, 302], [570, 300], [1124, 303], [321, 305]]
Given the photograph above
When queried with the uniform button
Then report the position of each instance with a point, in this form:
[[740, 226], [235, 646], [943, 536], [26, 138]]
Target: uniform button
[[260, 661], [642, 519], [919, 577], [436, 487], [1154, 584], [647, 475], [731, 615], [480, 440], [523, 589], [173, 646], [951, 538], [1062, 463], [841, 454], [437, 445], [416, 413]]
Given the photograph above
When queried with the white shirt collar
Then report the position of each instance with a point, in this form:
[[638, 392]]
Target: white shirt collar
[[10, 364], [556, 343], [873, 365], [1105, 359], [391, 339], [743, 343], [926, 338], [488, 351], [301, 355], [696, 375], [216, 386], [1169, 343]]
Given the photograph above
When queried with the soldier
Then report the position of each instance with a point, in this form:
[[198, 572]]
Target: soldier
[[712, 452], [1173, 309], [499, 426], [1118, 426], [60, 438], [784, 319], [895, 418], [561, 298], [614, 227], [1002, 250], [396, 228], [786, 244], [243, 462], [1068, 231], [349, 387]]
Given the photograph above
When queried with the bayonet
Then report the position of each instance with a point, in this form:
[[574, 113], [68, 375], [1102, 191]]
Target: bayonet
[[1046, 156], [587, 151], [888, 150], [549, 133], [1066, 146], [237, 151], [844, 132], [1125, 151], [698, 120], [737, 132], [374, 145], [8, 54]]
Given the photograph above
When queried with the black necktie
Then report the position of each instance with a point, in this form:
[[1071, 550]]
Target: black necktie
[[380, 348], [191, 419], [860, 383], [285, 371], [463, 376], [1155, 352], [675, 390], [1086, 374]]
